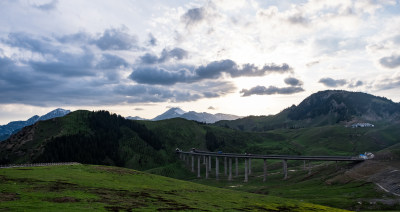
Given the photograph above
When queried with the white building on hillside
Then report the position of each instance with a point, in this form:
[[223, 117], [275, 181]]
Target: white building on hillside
[[362, 125]]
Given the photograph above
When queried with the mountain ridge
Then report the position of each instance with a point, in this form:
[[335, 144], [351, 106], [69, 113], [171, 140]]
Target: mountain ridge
[[12, 127], [324, 108], [176, 112]]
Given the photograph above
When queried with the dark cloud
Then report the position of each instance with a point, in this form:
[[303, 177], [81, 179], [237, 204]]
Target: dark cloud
[[163, 76], [32, 43], [358, 83], [329, 82], [312, 63], [166, 55], [67, 65], [47, 7], [391, 61], [194, 16], [145, 93], [293, 81], [211, 108], [116, 39], [152, 40], [80, 37], [62, 62], [215, 68], [298, 19], [109, 61], [68, 71], [262, 90], [21, 84], [210, 95], [138, 109], [149, 59]]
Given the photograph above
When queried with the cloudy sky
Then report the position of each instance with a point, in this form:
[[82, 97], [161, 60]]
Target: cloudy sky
[[137, 58]]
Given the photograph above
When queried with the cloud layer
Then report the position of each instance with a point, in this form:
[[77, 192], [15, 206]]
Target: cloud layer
[[215, 69], [329, 82], [55, 53], [262, 90], [392, 61]]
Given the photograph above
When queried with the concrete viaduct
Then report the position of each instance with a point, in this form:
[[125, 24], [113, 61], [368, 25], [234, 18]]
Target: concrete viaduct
[[207, 161]]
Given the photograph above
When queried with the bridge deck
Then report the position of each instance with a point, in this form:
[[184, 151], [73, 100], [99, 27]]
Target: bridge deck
[[281, 157]]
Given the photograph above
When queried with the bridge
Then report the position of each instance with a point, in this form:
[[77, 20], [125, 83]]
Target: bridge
[[208, 157]]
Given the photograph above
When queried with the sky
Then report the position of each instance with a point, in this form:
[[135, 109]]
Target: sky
[[139, 58]]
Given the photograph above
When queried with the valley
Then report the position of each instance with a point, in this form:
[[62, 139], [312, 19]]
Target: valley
[[148, 147]]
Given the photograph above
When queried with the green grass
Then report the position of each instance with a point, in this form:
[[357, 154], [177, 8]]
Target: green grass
[[103, 188], [319, 187]]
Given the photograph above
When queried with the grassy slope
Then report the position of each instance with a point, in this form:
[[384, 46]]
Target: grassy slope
[[101, 188], [320, 187]]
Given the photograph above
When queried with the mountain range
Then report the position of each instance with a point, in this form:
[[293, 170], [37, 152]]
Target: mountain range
[[177, 112], [317, 126], [7, 130]]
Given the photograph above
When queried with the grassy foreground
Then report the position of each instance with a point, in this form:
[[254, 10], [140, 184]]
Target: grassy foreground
[[104, 188]]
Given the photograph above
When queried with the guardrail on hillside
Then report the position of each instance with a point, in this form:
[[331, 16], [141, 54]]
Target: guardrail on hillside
[[2, 166]]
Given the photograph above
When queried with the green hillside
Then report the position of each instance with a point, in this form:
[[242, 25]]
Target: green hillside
[[108, 139], [104, 138], [104, 188], [324, 108]]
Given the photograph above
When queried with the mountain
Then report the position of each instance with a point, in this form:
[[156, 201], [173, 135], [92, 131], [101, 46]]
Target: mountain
[[59, 112], [324, 108], [195, 116], [174, 112], [104, 138], [135, 118], [15, 126], [346, 106]]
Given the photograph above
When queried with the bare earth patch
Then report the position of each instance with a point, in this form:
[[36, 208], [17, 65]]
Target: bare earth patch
[[120, 171], [4, 196]]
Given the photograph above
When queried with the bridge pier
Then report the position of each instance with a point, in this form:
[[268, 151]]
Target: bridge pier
[[246, 172], [265, 170], [193, 163], [230, 169], [225, 167], [237, 169], [216, 168], [209, 163], [249, 166], [206, 167], [198, 166], [285, 170], [207, 160]]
